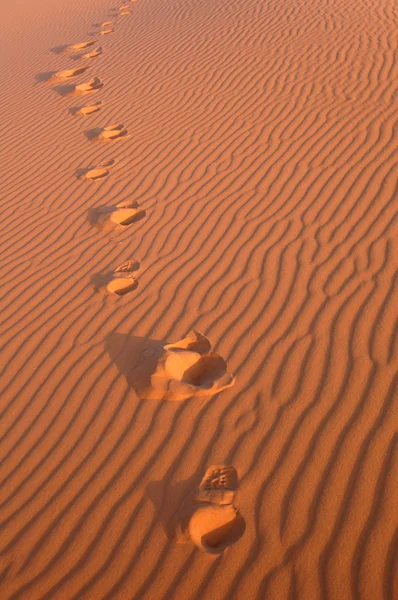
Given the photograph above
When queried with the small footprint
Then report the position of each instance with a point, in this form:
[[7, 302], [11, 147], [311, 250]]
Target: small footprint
[[120, 282], [80, 46], [119, 216], [106, 31], [112, 132], [98, 172], [106, 134], [70, 73], [94, 53], [107, 23], [85, 111]]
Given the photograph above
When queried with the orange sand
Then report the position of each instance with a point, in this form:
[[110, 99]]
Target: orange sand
[[262, 151]]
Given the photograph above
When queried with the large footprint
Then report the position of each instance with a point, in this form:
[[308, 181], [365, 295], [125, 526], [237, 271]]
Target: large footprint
[[120, 282], [116, 217], [209, 519]]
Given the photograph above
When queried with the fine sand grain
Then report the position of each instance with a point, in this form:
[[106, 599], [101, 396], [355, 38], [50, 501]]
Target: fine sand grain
[[254, 200]]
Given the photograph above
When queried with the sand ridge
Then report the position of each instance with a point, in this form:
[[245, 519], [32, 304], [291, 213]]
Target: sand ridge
[[262, 152]]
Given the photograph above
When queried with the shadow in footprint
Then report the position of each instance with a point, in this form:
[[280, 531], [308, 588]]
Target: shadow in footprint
[[135, 357], [167, 500], [86, 110], [60, 76], [203, 515], [96, 171], [81, 89], [116, 217], [45, 76], [105, 134], [119, 282], [59, 49], [66, 49]]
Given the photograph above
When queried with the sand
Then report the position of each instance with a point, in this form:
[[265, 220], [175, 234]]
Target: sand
[[261, 157]]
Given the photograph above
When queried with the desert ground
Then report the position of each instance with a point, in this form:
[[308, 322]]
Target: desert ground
[[225, 171]]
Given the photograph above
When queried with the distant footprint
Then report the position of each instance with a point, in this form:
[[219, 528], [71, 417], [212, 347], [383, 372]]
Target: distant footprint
[[106, 134], [94, 53], [85, 111], [68, 73], [79, 46], [99, 172], [106, 31], [120, 282], [107, 24], [214, 523], [116, 217]]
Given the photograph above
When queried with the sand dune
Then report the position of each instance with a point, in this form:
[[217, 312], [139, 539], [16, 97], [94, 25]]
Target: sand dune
[[254, 201]]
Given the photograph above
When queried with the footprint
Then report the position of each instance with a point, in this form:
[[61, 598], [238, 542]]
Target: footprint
[[120, 282], [119, 216], [107, 23], [94, 53], [210, 520], [219, 485], [106, 31], [91, 86], [70, 73], [85, 111], [98, 172], [187, 369], [80, 46], [112, 132]]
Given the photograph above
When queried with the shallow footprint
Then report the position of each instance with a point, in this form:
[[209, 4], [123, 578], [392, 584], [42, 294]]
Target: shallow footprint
[[112, 132], [106, 31], [94, 53], [120, 282], [80, 46], [98, 172], [85, 111], [67, 73], [116, 217]]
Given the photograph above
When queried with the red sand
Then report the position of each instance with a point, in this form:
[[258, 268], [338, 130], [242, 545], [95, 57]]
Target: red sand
[[259, 139]]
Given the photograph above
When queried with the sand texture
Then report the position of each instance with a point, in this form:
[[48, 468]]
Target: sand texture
[[228, 168]]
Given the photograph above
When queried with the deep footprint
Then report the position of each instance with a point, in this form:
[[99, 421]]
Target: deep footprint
[[116, 217], [119, 282]]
